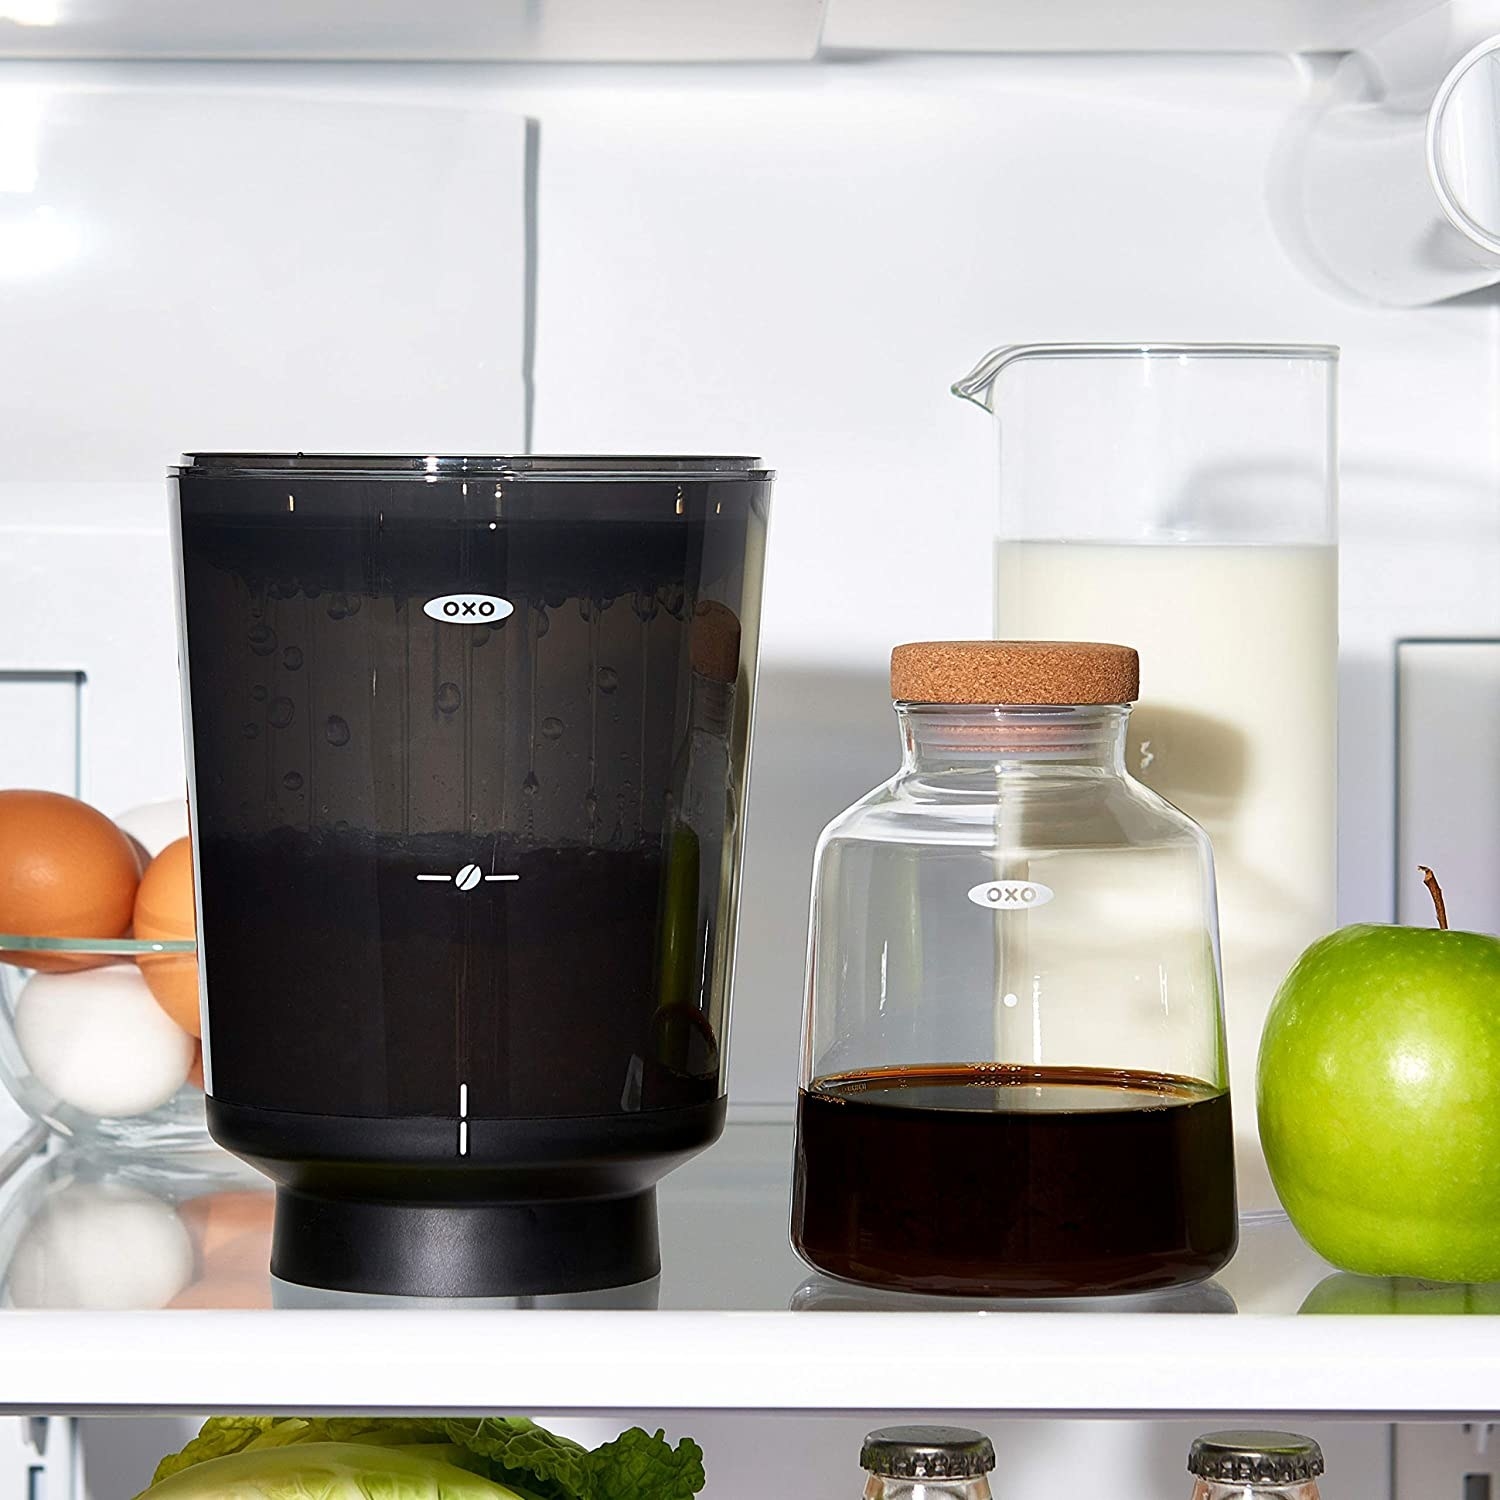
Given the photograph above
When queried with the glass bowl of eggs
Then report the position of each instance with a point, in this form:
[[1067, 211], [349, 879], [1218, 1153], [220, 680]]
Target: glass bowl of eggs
[[98, 976]]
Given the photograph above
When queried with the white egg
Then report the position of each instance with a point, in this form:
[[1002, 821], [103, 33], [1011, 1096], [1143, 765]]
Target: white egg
[[154, 825], [100, 1042], [96, 1245]]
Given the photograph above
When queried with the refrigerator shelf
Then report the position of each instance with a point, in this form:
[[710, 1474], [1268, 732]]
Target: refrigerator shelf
[[676, 30], [739, 1323]]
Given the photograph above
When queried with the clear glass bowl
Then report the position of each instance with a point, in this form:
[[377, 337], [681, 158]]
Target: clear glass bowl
[[93, 1083]]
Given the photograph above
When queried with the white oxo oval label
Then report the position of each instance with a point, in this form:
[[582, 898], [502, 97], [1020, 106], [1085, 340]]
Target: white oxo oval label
[[1010, 895], [468, 609]]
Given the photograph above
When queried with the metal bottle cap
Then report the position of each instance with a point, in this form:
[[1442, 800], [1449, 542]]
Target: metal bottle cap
[[927, 1453], [1259, 1457]]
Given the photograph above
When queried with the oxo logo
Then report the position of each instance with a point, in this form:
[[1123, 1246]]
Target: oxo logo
[[468, 609], [1010, 895]]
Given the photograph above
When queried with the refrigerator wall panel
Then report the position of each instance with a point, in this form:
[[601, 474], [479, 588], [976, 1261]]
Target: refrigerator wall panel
[[1448, 780]]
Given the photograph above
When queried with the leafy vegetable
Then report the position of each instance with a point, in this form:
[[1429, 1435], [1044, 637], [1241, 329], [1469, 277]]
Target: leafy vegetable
[[511, 1453], [326, 1471], [636, 1465]]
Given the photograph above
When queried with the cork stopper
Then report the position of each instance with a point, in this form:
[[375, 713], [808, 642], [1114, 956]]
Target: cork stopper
[[714, 641], [1019, 672]]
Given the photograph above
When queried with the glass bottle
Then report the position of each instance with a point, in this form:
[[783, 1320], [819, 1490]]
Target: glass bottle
[[1183, 497], [1013, 1071], [927, 1463], [1255, 1466]]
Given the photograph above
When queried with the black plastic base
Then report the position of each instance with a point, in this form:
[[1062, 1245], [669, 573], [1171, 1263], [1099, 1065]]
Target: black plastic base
[[521, 1208], [465, 1250]]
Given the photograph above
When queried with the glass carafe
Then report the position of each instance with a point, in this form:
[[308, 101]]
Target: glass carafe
[[1013, 1070], [1183, 498]]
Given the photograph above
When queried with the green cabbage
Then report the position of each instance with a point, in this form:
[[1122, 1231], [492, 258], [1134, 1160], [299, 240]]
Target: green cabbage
[[493, 1456]]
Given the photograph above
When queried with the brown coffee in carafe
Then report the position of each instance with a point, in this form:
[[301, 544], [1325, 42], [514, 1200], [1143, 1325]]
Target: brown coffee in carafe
[[999, 1180]]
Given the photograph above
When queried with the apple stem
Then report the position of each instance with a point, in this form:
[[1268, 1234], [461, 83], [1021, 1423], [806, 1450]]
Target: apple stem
[[1436, 892]]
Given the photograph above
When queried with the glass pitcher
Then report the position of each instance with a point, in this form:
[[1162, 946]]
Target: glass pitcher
[[1013, 1073], [1182, 497]]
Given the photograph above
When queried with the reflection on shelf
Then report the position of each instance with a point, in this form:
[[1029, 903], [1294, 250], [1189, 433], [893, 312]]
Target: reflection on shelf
[[825, 1294], [643, 1296], [86, 1231], [1399, 1296]]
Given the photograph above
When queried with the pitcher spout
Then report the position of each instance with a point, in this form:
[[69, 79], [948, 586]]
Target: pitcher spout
[[978, 385]]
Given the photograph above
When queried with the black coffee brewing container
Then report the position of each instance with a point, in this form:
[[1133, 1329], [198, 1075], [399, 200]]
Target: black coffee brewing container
[[468, 741]]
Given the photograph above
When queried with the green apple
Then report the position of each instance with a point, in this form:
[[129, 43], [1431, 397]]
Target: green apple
[[1364, 1295], [1378, 1091]]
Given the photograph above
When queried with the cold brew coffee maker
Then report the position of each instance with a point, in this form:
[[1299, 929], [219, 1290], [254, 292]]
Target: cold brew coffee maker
[[468, 741]]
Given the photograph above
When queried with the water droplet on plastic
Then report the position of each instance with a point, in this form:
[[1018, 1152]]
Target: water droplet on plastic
[[449, 698], [281, 713], [585, 608], [543, 624], [342, 826], [531, 786], [591, 805], [609, 679], [262, 639], [673, 599], [552, 728], [644, 605], [250, 730], [259, 693], [337, 730], [341, 606], [291, 658], [292, 781]]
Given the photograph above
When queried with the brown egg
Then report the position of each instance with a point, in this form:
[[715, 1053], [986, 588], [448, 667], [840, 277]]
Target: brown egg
[[142, 853], [65, 871], [164, 909]]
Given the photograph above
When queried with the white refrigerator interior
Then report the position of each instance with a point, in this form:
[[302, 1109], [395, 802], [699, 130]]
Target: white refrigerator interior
[[788, 259]]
